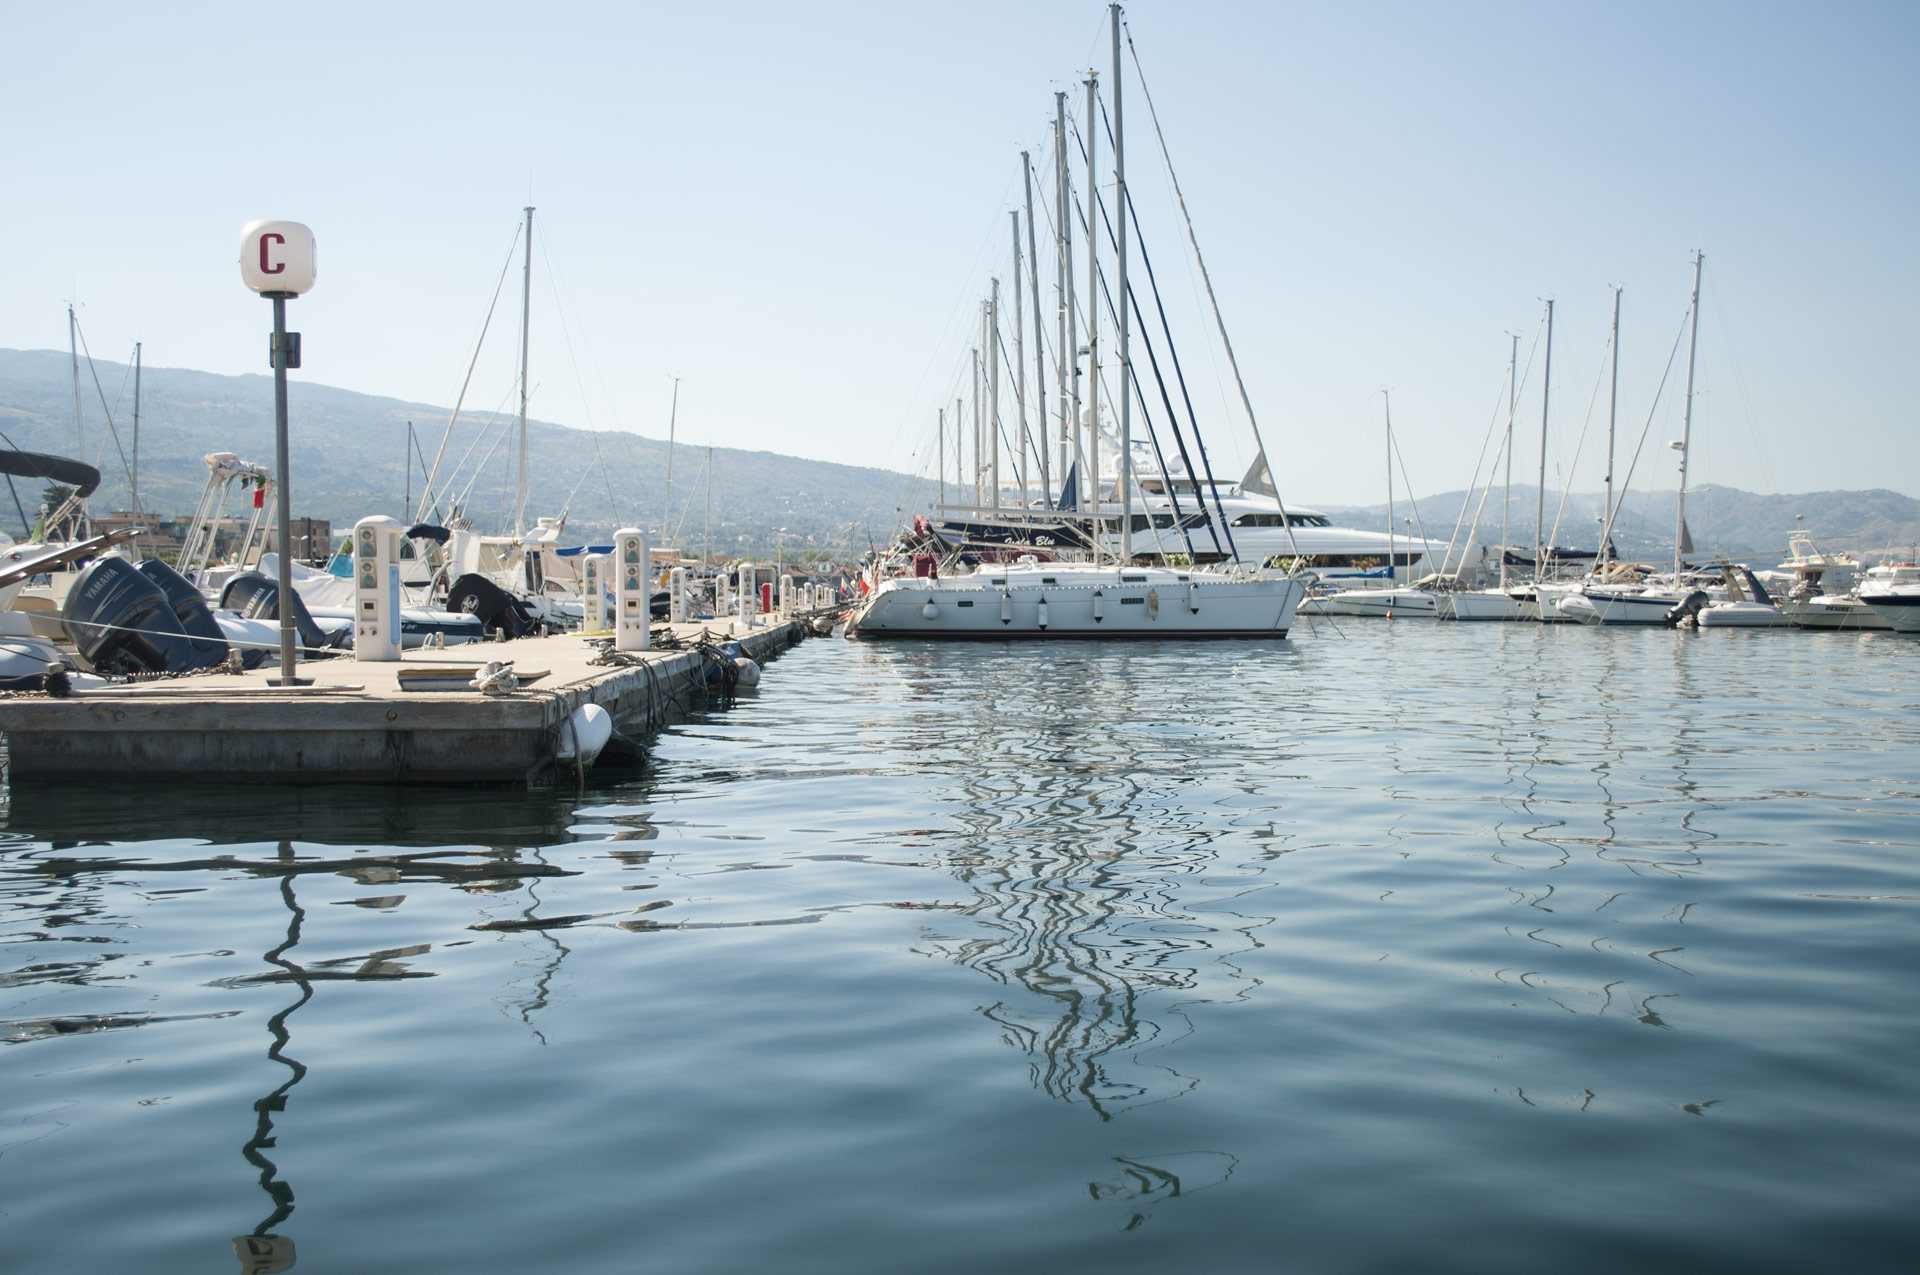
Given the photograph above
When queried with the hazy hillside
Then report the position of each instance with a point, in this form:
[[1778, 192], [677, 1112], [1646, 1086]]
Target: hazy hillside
[[349, 454], [1722, 520]]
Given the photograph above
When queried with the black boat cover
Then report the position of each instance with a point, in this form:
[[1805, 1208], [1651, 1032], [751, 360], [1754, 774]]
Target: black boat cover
[[84, 478]]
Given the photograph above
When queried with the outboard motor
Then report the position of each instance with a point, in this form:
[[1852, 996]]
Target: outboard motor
[[256, 596], [122, 622], [486, 601], [189, 607], [1688, 609]]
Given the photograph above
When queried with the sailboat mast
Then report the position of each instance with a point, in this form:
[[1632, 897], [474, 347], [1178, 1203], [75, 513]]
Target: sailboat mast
[[1039, 346], [1386, 403], [673, 417], [992, 343], [73, 352], [1680, 536], [1019, 366], [1506, 502], [976, 502], [526, 313], [706, 529], [1613, 403], [940, 454], [1540, 501], [134, 477], [1093, 320], [1069, 359], [1120, 286]]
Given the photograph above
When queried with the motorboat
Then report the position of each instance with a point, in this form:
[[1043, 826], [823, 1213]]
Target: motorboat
[[1746, 606], [328, 598], [1031, 599], [1831, 611], [1893, 593]]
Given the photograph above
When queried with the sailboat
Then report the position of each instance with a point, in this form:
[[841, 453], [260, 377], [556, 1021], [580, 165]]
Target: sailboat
[[1599, 602], [1112, 596]]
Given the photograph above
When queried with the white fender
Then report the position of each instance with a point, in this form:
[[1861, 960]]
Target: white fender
[[584, 733]]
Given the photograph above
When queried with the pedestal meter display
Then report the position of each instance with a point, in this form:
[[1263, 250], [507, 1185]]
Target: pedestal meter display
[[376, 589], [633, 589]]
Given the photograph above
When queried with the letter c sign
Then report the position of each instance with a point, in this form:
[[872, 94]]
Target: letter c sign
[[276, 257]]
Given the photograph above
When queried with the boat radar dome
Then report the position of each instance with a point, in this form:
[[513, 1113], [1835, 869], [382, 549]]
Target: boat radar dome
[[277, 256]]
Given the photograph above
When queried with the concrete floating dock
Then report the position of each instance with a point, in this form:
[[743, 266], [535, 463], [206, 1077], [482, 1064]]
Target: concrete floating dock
[[355, 723]]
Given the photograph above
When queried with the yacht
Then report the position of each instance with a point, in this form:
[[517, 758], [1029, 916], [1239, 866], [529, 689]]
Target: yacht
[[1031, 599], [1893, 593]]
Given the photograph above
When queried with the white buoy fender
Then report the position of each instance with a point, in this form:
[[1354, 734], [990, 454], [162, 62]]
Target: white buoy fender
[[585, 733], [749, 671], [931, 610], [1042, 610]]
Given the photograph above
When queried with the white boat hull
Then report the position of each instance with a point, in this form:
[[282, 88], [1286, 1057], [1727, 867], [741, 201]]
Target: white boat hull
[[1481, 604], [1624, 608], [1741, 615], [1071, 601], [1385, 603], [1834, 613], [1899, 607]]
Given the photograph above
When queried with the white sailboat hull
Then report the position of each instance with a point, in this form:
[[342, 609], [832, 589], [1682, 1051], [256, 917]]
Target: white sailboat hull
[[1481, 604], [1385, 603], [1622, 608], [1069, 601]]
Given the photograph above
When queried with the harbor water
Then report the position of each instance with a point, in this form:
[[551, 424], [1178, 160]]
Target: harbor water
[[1392, 947]]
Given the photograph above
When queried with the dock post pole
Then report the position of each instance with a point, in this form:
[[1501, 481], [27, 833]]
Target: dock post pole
[[277, 262]]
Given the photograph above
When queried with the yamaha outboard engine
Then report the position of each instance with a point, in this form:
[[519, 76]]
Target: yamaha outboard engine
[[189, 607], [1688, 609], [256, 596], [122, 622], [493, 606]]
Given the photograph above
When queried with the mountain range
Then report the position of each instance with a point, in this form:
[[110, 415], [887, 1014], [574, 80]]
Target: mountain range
[[351, 456], [1721, 521]]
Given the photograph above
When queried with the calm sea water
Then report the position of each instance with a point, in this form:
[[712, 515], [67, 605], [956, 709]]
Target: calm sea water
[[1422, 948]]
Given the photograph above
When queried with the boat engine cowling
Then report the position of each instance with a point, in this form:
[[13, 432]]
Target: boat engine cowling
[[256, 596], [1689, 608], [122, 622], [189, 606]]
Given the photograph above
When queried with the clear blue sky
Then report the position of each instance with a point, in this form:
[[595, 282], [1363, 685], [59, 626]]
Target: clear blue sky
[[796, 207]]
